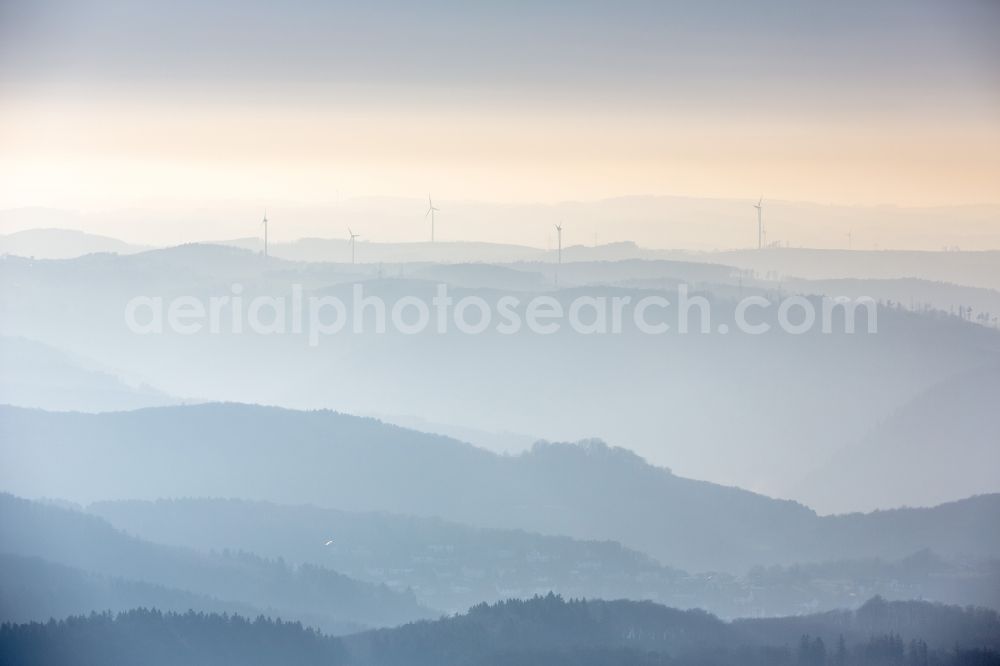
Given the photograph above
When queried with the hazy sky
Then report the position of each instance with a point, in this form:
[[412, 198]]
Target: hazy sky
[[176, 104]]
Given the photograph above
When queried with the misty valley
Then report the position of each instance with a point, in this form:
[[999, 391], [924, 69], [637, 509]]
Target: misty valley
[[499, 333], [145, 494]]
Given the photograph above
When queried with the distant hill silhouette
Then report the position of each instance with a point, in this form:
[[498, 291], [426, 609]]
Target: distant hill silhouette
[[587, 490], [971, 269], [310, 593], [760, 412], [33, 589], [62, 244], [908, 456], [33, 374], [912, 294], [448, 565], [452, 566]]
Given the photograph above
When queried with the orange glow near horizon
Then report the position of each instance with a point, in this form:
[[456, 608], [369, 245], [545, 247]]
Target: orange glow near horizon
[[109, 154]]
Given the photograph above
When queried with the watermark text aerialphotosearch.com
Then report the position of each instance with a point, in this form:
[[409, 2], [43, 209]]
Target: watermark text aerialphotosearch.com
[[319, 316]]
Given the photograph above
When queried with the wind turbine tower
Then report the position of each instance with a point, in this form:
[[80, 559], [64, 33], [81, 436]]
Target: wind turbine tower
[[760, 224], [430, 211], [559, 250], [265, 233], [353, 236]]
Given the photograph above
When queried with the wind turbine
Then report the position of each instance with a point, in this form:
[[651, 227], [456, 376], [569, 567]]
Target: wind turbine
[[265, 233], [760, 224], [430, 211], [353, 236], [558, 245]]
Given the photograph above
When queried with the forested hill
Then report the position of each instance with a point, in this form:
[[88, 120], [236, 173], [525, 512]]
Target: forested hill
[[313, 594], [152, 638], [451, 566], [538, 632], [551, 624], [739, 409], [587, 490], [33, 589]]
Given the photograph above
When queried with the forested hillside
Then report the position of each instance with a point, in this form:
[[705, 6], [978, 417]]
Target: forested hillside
[[535, 632], [313, 594], [586, 491]]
